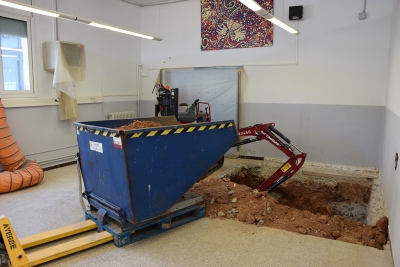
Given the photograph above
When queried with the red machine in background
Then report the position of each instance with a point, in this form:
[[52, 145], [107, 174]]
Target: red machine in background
[[277, 139], [201, 115], [260, 132]]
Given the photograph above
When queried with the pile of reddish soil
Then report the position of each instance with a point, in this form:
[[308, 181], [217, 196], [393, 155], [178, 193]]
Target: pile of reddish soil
[[228, 200], [139, 125]]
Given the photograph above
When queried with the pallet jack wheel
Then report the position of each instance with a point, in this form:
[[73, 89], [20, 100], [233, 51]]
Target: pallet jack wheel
[[3, 255]]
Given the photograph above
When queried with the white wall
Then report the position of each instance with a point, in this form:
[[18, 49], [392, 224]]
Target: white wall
[[111, 60], [111, 57], [391, 139], [341, 60], [393, 92]]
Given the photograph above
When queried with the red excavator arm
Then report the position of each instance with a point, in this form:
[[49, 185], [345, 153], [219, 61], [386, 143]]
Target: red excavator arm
[[277, 139]]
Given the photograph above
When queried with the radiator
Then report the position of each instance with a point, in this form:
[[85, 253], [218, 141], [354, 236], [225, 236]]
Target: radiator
[[121, 115]]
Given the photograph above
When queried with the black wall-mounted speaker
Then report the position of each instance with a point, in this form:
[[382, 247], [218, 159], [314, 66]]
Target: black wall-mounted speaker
[[295, 12]]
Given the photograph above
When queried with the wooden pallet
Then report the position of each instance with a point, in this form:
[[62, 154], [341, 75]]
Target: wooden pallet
[[155, 226]]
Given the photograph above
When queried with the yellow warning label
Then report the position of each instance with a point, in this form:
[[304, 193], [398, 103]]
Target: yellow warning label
[[286, 167]]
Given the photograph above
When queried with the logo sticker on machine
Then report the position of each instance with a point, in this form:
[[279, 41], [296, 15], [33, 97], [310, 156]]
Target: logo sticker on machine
[[117, 142], [286, 167], [96, 146]]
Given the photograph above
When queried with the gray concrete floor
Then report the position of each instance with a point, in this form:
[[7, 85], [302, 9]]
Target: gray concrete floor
[[54, 203]]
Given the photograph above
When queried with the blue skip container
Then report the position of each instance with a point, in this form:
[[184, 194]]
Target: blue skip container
[[135, 176]]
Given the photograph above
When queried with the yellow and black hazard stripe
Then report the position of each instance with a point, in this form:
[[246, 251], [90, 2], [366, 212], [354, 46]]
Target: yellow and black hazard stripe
[[186, 129], [98, 132]]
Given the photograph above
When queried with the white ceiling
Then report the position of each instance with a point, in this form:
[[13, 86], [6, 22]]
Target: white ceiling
[[151, 2]]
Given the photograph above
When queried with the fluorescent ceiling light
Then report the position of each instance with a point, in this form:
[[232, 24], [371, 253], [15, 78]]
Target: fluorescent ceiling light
[[8, 56], [28, 8], [283, 25], [251, 4], [266, 15], [73, 18], [99, 25]]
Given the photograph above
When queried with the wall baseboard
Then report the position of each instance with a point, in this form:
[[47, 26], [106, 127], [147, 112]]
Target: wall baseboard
[[45, 164], [59, 166]]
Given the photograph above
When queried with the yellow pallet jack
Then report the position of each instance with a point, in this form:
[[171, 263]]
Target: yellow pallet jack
[[15, 248]]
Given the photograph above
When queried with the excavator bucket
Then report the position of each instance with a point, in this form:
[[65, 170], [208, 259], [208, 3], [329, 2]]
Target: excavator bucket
[[138, 175]]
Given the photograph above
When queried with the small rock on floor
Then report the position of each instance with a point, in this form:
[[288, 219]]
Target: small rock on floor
[[382, 224], [221, 214], [336, 234], [250, 219], [241, 216], [302, 230], [258, 218]]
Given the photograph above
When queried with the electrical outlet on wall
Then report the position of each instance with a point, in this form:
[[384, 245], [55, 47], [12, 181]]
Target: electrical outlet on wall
[[362, 15]]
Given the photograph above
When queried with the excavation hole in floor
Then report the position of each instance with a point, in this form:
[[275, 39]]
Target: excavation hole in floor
[[347, 199], [333, 210]]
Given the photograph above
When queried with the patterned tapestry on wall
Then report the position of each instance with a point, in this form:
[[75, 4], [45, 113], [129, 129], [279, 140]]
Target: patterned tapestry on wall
[[228, 24]]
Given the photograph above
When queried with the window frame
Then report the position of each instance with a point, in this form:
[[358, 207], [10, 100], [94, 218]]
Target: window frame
[[31, 60]]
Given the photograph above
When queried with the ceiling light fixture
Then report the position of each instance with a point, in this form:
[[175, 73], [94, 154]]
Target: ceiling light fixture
[[50, 13], [111, 28], [28, 8], [266, 15]]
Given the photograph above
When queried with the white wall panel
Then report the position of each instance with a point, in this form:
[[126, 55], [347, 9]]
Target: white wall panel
[[111, 60], [393, 93], [391, 138], [341, 59], [111, 57]]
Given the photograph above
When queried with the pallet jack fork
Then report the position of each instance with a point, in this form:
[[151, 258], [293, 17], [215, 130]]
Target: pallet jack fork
[[15, 249], [13, 253]]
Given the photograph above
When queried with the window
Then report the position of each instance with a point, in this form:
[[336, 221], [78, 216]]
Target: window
[[15, 51]]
